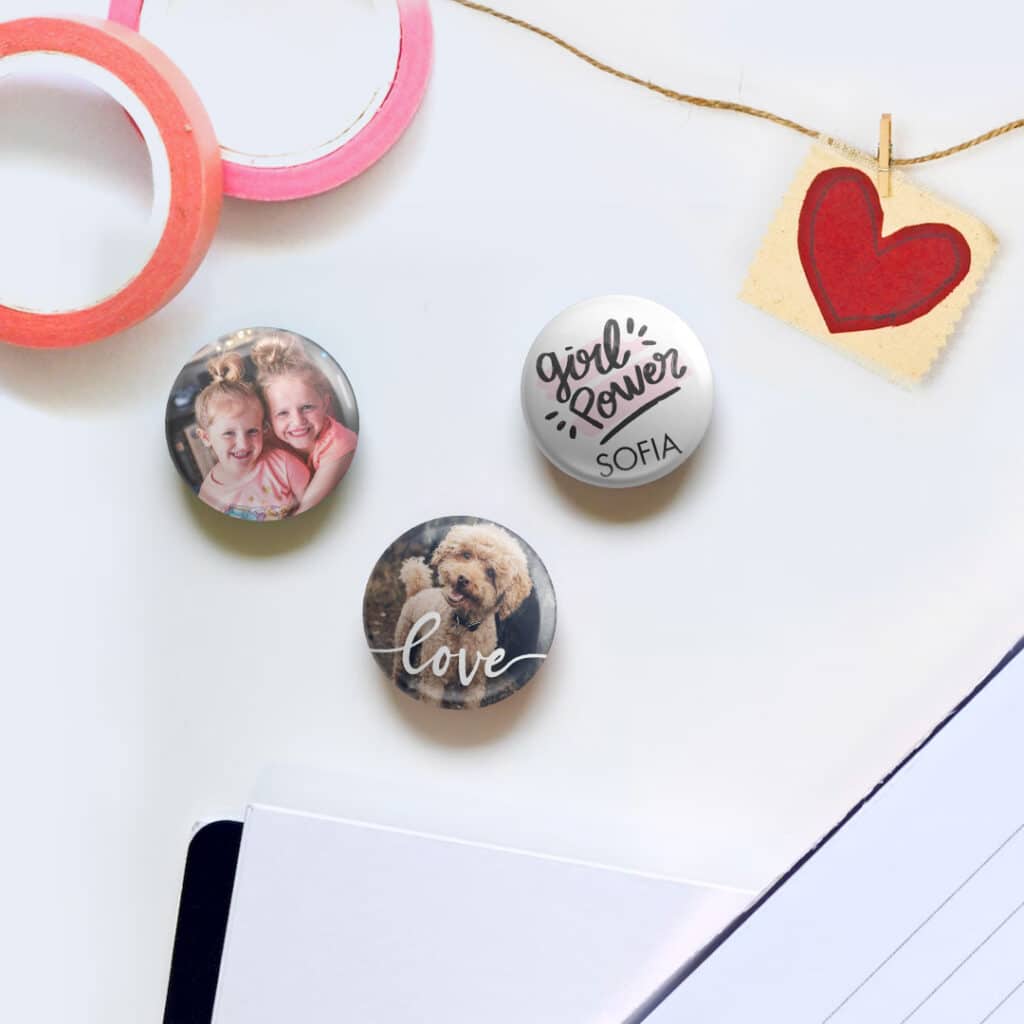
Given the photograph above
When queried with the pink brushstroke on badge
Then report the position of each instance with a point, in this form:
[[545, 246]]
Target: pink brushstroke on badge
[[600, 387]]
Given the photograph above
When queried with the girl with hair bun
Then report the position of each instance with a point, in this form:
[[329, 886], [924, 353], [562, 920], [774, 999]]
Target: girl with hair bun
[[247, 481], [299, 402]]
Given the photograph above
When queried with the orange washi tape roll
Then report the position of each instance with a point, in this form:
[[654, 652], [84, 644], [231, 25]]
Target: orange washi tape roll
[[185, 157]]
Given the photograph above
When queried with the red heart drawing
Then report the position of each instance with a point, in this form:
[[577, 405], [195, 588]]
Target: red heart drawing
[[860, 279]]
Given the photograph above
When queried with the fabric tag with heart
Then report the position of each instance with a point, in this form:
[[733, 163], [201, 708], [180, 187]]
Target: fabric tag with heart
[[884, 279]]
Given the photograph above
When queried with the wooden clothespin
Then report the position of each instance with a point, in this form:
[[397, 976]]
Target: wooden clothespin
[[885, 156]]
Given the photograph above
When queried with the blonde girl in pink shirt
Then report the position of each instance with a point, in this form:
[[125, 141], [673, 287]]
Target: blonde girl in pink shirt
[[248, 481], [298, 398]]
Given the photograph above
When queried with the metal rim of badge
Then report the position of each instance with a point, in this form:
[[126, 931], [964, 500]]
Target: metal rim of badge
[[617, 391], [183, 155], [262, 424], [345, 151], [459, 612]]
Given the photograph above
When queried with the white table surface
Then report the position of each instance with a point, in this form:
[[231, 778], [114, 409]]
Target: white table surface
[[743, 648]]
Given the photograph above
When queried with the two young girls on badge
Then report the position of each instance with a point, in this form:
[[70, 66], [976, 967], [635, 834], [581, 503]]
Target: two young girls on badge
[[279, 450]]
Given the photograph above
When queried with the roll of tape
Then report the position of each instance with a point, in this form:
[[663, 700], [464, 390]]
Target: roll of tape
[[187, 182], [347, 142]]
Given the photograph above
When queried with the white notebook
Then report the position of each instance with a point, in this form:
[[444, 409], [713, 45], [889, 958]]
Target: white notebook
[[336, 921], [911, 913]]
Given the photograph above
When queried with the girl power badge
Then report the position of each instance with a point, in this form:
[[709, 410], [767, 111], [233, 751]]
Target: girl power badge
[[617, 391]]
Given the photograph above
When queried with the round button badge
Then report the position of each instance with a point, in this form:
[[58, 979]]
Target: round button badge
[[617, 391], [459, 612], [262, 424]]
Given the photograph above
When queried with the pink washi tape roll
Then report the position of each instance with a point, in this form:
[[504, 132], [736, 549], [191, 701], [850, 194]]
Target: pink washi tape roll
[[311, 98], [183, 153]]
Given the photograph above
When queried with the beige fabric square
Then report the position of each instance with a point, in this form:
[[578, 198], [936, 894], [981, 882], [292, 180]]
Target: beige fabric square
[[778, 284]]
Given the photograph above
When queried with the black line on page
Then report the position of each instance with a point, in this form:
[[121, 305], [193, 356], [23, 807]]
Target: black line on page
[[1002, 1002], [695, 962], [1006, 842], [639, 412], [977, 948]]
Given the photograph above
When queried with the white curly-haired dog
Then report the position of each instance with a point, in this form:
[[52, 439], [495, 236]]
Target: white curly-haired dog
[[482, 576]]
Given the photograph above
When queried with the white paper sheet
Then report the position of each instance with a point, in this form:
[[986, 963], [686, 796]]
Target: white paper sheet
[[913, 913], [339, 921]]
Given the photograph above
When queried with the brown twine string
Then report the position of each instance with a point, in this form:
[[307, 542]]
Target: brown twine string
[[704, 101]]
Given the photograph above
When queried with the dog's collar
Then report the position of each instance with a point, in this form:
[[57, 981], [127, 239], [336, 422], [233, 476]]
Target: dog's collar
[[471, 627]]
